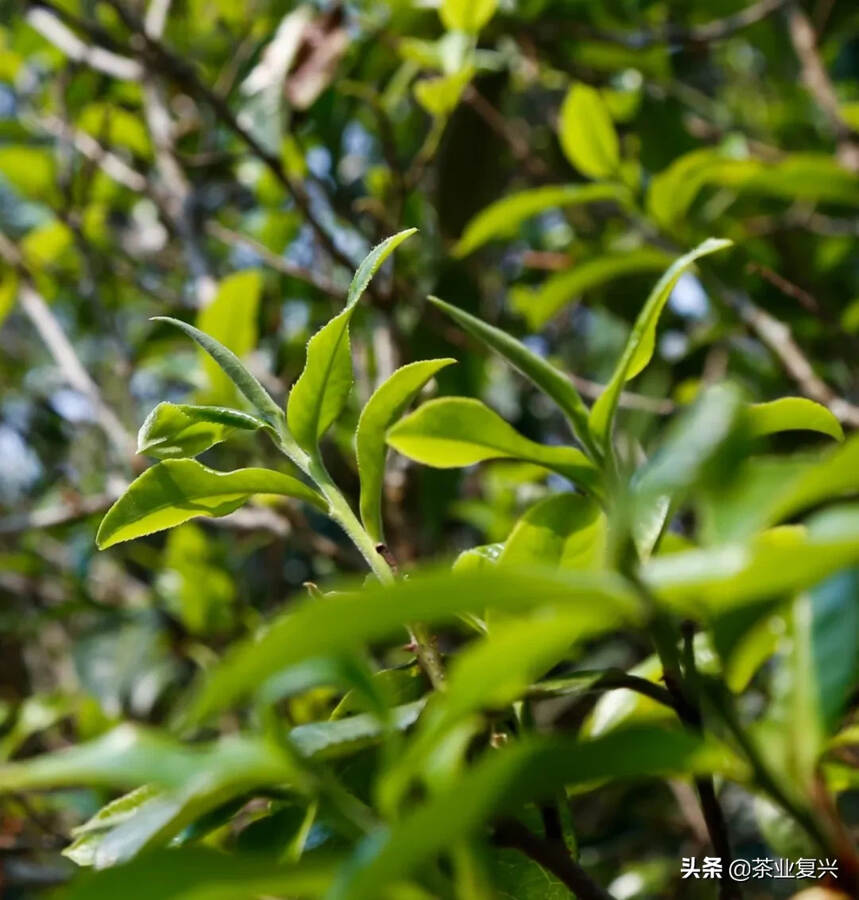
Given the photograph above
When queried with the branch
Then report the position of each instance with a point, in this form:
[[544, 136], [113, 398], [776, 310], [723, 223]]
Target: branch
[[708, 32], [552, 856], [278, 263], [817, 82], [778, 337], [49, 25], [186, 77], [40, 314], [112, 165]]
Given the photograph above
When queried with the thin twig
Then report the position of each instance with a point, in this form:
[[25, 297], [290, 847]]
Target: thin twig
[[184, 75], [278, 263], [778, 337], [51, 332], [818, 84], [50, 26], [706, 33]]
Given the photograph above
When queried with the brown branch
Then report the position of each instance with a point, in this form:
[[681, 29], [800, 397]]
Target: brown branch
[[706, 33], [278, 263], [818, 84], [551, 855], [779, 339], [185, 76]]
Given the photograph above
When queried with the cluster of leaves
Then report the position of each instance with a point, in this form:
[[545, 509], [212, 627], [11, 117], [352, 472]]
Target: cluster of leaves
[[577, 565], [619, 604]]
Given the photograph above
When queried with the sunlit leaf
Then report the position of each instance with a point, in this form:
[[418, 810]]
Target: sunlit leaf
[[642, 339], [792, 414], [587, 132], [544, 375], [318, 396], [176, 431], [567, 530], [780, 561], [177, 490], [384, 407], [467, 15], [234, 369], [456, 431], [230, 319]]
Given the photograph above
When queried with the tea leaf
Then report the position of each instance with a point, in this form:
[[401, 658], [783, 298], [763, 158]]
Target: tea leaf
[[177, 490], [455, 431], [384, 407], [177, 431]]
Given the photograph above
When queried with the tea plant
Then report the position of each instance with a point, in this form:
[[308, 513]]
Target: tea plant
[[426, 773]]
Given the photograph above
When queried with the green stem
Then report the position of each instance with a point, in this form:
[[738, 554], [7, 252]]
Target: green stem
[[341, 512]]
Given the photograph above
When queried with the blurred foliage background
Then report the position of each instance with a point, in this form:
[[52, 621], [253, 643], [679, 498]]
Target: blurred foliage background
[[229, 161]]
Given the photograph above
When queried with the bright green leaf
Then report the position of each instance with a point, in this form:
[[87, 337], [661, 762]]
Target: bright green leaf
[[456, 431], [642, 340], [176, 431], [544, 375], [235, 370], [792, 414], [587, 132], [467, 15], [177, 490], [566, 530], [384, 407], [230, 319], [318, 396], [780, 561]]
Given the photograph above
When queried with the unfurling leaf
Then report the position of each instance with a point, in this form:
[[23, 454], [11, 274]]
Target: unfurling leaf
[[318, 396], [642, 340], [587, 133], [456, 431], [384, 407], [177, 490], [177, 431], [235, 369]]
